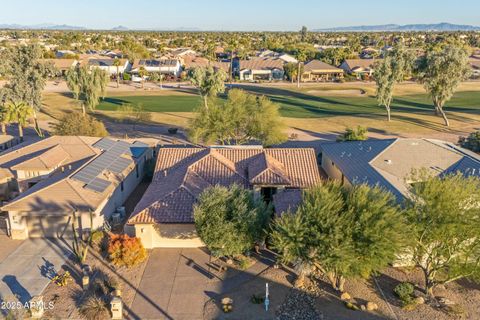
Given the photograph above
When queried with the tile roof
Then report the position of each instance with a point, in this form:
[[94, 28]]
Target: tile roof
[[260, 63], [320, 66], [361, 63], [50, 159], [389, 163], [181, 174]]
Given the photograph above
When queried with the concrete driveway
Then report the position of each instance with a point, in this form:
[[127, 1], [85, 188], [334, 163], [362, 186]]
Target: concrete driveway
[[175, 285], [27, 270]]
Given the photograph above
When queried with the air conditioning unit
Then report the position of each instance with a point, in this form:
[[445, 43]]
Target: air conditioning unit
[[116, 219]]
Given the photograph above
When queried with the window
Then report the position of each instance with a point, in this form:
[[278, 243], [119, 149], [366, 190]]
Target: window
[[136, 170], [121, 186]]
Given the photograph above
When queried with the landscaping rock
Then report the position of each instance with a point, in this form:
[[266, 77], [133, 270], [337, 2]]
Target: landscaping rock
[[419, 300], [299, 305], [345, 296], [363, 307], [351, 306], [371, 306], [444, 301]]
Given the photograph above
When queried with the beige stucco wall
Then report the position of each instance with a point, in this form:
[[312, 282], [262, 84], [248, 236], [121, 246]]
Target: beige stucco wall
[[167, 236], [333, 172]]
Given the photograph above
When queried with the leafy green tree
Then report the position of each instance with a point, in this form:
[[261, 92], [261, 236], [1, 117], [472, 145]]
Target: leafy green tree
[[291, 70], [242, 118], [343, 232], [352, 134], [26, 77], [444, 215], [472, 142], [230, 220], [74, 124], [441, 70], [389, 72], [303, 34], [88, 86], [208, 81]]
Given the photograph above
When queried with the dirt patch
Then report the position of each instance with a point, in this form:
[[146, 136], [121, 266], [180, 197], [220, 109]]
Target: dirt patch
[[339, 93]]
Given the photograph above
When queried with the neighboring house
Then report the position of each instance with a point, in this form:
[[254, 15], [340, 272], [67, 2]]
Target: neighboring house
[[272, 54], [359, 67], [170, 67], [317, 70], [164, 216], [62, 65], [64, 53], [261, 69], [190, 62], [474, 62], [8, 141], [181, 52], [60, 175], [107, 65], [389, 163]]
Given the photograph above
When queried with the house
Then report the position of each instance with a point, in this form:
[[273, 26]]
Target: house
[[107, 65], [316, 70], [261, 69], [164, 216], [272, 54], [169, 67], [62, 65], [181, 52], [359, 67], [474, 62], [64, 53], [389, 163], [190, 62], [60, 175]]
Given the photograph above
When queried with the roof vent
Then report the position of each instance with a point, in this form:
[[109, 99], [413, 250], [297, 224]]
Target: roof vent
[[388, 161]]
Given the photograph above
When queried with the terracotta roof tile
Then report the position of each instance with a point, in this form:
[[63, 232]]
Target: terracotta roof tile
[[181, 174]]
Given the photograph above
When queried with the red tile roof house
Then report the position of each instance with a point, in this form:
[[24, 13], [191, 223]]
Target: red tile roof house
[[164, 216]]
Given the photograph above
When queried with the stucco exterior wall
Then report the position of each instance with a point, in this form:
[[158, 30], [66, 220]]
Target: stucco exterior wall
[[166, 235]]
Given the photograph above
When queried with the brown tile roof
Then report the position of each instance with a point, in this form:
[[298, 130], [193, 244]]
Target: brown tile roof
[[181, 174], [361, 63], [261, 63], [190, 61], [320, 66]]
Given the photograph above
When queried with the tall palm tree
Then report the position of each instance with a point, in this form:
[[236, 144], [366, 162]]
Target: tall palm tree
[[116, 63], [20, 112], [5, 118], [301, 57], [142, 72]]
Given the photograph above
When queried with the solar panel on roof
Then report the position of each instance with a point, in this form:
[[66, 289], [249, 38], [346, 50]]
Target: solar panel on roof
[[98, 185], [119, 165], [104, 144]]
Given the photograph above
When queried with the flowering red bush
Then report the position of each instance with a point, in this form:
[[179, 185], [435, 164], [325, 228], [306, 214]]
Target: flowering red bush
[[126, 251]]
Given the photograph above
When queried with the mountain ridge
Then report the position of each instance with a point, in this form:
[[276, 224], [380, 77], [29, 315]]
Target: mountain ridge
[[442, 26]]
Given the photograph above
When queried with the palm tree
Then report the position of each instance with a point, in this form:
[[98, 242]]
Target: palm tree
[[5, 118], [301, 57], [116, 63], [142, 72], [19, 112]]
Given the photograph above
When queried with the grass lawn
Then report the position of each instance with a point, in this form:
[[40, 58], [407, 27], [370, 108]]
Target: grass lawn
[[302, 105]]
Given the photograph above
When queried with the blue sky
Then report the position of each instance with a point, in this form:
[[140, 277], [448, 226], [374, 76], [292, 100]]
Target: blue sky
[[237, 15]]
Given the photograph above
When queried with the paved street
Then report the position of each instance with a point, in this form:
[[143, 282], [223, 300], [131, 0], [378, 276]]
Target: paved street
[[25, 272]]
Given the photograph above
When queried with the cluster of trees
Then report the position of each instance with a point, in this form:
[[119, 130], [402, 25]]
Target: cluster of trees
[[346, 233], [351, 233], [240, 118], [20, 97], [443, 67]]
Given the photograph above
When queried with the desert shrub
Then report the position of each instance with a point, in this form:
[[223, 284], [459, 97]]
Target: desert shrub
[[404, 291], [76, 124], [127, 77], [472, 142], [97, 237], [94, 308], [352, 134], [62, 280], [126, 251]]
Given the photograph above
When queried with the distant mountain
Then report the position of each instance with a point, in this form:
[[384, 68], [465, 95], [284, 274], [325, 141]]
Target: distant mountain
[[120, 28], [43, 26], [443, 26]]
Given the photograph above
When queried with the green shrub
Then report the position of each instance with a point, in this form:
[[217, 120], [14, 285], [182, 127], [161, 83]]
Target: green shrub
[[127, 77], [472, 142], [97, 237], [350, 134], [77, 124], [404, 291]]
